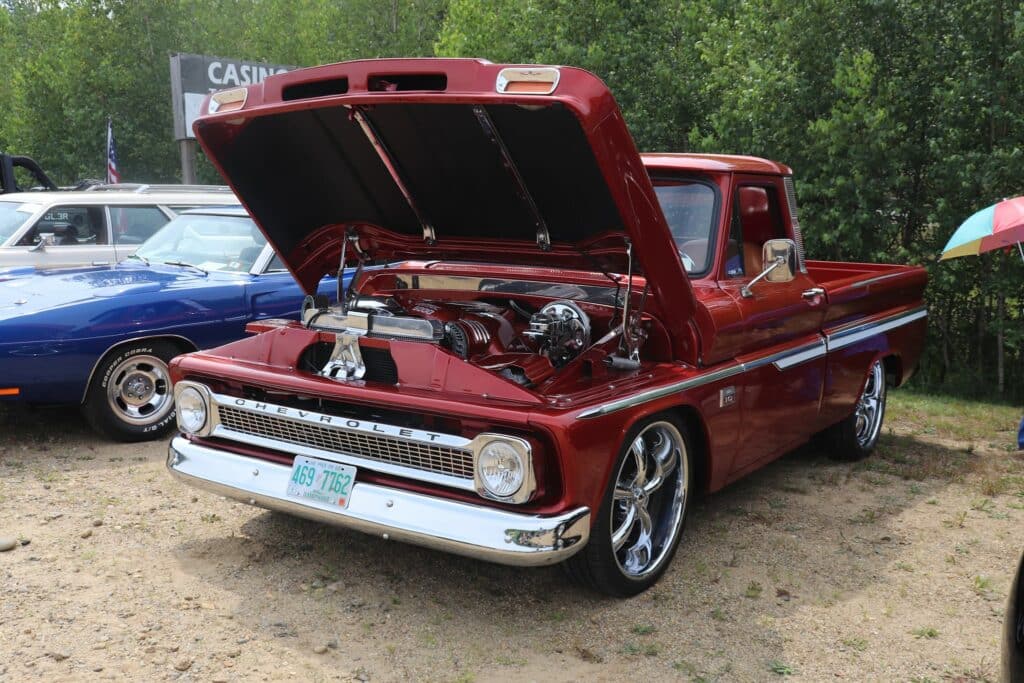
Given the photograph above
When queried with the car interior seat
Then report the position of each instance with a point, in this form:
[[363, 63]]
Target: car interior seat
[[247, 257], [757, 227], [696, 250], [66, 233]]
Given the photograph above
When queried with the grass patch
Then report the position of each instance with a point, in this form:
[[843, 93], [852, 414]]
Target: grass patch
[[643, 629], [754, 590], [858, 644], [982, 585], [780, 668], [926, 632], [951, 418]]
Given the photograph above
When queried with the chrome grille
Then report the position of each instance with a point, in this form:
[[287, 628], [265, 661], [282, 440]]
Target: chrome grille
[[454, 462]]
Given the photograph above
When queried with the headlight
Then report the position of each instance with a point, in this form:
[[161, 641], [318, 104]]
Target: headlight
[[501, 469], [192, 410]]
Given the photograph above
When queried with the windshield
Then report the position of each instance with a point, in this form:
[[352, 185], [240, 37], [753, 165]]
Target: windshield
[[689, 208], [225, 243], [12, 216]]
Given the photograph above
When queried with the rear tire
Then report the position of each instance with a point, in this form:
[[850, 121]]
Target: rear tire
[[856, 437], [637, 530], [130, 398]]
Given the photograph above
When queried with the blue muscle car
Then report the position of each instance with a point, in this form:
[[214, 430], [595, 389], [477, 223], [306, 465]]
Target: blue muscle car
[[101, 337]]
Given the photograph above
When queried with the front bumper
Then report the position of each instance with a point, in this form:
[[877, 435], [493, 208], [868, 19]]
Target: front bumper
[[472, 530]]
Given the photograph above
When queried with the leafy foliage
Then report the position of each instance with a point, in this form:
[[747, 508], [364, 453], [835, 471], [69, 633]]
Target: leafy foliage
[[900, 117]]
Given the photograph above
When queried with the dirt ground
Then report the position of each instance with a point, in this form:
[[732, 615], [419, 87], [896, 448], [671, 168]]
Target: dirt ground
[[895, 569]]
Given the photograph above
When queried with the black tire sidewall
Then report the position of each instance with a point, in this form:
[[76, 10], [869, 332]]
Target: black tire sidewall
[[98, 411], [604, 570], [844, 435]]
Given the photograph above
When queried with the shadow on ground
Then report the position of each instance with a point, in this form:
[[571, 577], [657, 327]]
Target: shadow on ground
[[802, 531]]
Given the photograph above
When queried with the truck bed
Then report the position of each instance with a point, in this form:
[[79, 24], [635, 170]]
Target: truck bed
[[857, 290]]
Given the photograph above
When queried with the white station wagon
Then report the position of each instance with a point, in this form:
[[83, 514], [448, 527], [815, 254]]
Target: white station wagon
[[97, 226]]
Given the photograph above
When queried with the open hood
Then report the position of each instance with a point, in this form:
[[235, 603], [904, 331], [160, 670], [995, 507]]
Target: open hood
[[452, 159]]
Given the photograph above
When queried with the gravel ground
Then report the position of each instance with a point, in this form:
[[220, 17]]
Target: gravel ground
[[896, 568]]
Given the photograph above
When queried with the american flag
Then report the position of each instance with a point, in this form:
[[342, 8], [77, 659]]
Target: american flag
[[112, 175]]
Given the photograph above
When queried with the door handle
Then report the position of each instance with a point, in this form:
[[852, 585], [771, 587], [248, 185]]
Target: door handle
[[813, 293]]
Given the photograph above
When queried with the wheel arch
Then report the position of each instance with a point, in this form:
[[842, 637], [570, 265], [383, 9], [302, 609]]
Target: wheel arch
[[701, 456], [893, 365], [184, 344]]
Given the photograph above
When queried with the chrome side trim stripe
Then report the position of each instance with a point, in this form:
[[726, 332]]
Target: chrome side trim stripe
[[802, 355], [782, 360], [861, 331], [873, 280], [661, 392]]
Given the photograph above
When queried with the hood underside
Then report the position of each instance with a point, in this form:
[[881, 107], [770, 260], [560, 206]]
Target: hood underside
[[429, 159], [457, 177]]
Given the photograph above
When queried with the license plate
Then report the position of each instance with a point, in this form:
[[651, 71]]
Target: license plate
[[321, 481]]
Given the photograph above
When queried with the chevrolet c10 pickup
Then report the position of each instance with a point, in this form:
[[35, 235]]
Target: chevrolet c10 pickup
[[573, 338]]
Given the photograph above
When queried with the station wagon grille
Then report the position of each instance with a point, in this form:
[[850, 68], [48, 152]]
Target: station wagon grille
[[446, 460]]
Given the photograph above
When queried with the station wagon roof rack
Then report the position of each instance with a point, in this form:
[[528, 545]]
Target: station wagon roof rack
[[146, 188]]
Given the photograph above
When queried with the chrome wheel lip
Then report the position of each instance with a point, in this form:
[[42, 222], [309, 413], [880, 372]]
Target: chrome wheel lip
[[870, 407], [139, 390], [641, 544]]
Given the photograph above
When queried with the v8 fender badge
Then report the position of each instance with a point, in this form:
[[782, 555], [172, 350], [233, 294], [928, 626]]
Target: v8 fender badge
[[726, 397]]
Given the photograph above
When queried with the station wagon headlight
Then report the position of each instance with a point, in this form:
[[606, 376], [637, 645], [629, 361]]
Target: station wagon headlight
[[501, 469], [192, 410]]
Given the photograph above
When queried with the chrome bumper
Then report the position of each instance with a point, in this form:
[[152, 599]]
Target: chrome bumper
[[475, 531]]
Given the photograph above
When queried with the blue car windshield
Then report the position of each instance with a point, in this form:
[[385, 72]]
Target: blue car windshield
[[12, 216], [208, 242]]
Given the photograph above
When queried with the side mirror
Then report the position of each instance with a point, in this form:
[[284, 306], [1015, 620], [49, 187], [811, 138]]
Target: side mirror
[[772, 251], [779, 259], [46, 239]]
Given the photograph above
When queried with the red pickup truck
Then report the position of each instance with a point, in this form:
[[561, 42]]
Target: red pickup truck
[[578, 337]]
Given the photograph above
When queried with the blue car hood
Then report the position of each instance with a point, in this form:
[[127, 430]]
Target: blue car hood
[[51, 289]]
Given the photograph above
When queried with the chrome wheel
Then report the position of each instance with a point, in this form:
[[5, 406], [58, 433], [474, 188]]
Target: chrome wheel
[[649, 499], [868, 414], [139, 390]]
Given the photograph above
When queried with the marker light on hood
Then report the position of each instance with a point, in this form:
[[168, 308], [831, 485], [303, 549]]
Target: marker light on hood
[[227, 100], [528, 81]]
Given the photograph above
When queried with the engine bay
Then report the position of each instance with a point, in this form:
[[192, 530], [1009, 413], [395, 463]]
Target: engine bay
[[525, 339]]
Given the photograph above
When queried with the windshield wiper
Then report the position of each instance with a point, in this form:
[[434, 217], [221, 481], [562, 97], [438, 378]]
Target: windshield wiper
[[185, 265], [141, 258]]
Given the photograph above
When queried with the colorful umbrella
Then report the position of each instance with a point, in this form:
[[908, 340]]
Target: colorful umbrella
[[1000, 225]]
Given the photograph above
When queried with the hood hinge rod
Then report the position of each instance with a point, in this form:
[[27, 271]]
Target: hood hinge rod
[[429, 236], [543, 237]]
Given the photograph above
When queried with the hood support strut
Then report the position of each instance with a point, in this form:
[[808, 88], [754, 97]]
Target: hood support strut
[[543, 237], [429, 236]]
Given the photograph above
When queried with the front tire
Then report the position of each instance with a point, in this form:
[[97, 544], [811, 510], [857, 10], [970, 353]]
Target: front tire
[[130, 398], [856, 437], [637, 529]]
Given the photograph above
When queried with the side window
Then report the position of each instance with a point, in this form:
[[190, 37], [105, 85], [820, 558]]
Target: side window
[[135, 224], [69, 225], [756, 218], [276, 264]]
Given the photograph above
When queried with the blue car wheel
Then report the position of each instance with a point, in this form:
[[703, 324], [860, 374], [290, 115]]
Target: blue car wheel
[[130, 397]]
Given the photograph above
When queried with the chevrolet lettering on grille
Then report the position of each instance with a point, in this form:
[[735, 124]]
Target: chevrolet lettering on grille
[[336, 421]]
